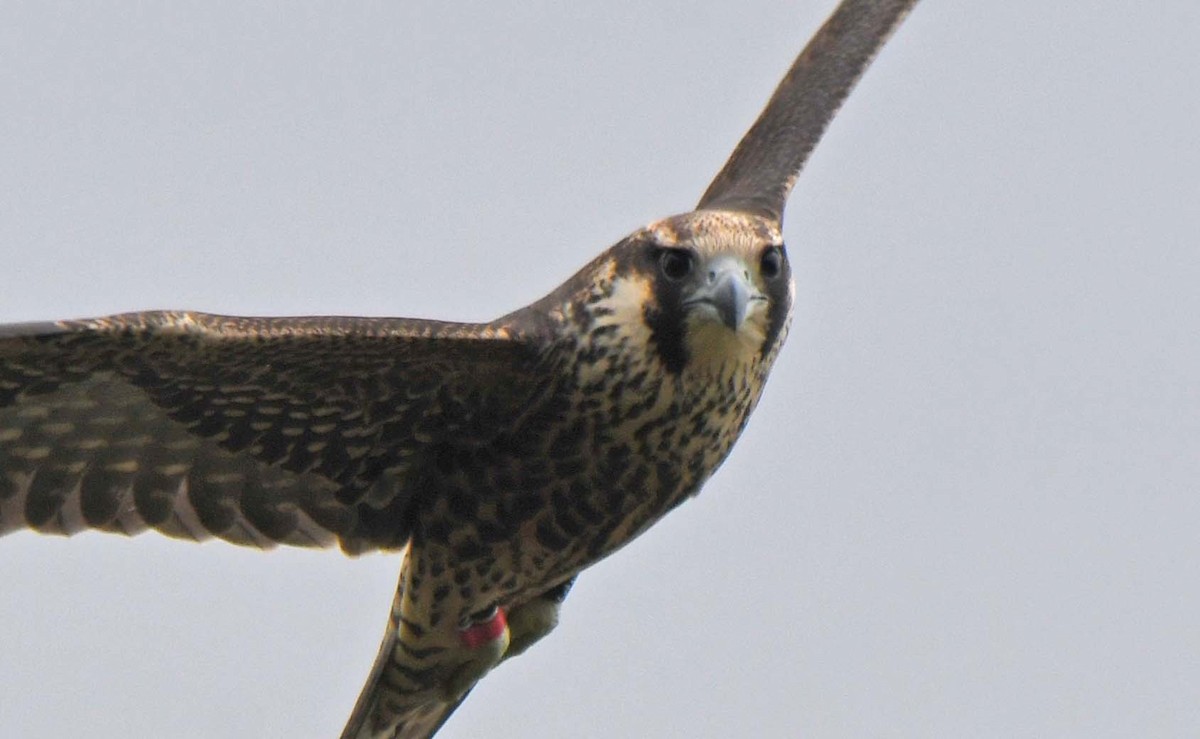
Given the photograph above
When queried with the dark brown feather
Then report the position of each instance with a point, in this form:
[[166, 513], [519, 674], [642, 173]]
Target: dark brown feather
[[274, 430], [759, 176]]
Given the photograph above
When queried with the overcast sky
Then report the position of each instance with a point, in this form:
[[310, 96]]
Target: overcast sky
[[967, 505]]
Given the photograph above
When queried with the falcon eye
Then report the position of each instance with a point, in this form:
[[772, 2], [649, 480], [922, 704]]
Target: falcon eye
[[675, 263], [772, 262]]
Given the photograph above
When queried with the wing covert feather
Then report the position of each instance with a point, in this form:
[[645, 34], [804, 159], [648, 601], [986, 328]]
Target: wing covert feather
[[260, 431]]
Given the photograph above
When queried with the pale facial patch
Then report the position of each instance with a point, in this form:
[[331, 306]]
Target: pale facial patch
[[626, 304]]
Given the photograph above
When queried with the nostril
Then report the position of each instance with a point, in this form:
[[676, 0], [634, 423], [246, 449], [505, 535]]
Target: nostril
[[712, 275]]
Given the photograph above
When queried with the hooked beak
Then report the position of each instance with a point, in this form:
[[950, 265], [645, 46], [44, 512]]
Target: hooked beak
[[727, 292]]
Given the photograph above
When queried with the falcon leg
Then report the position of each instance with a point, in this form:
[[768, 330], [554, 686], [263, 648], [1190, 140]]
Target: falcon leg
[[530, 621], [497, 636], [427, 662], [486, 640]]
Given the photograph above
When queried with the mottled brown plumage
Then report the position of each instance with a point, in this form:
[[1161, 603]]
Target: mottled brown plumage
[[503, 457]]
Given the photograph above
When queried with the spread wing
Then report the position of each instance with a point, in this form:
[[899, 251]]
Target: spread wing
[[259, 431], [759, 175]]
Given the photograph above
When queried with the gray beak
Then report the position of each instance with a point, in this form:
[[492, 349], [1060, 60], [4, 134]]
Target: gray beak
[[727, 291]]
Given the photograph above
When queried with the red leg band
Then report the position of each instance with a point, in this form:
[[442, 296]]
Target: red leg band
[[476, 635]]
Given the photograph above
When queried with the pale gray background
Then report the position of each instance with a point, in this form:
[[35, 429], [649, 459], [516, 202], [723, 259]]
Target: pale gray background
[[967, 505]]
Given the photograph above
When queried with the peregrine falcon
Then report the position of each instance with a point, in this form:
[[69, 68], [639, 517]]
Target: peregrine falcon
[[501, 458]]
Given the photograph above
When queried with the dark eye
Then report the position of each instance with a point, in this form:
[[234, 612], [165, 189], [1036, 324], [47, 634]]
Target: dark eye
[[772, 262], [675, 263]]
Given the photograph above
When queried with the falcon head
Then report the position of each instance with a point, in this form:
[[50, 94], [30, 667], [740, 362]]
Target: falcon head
[[720, 288], [702, 291]]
